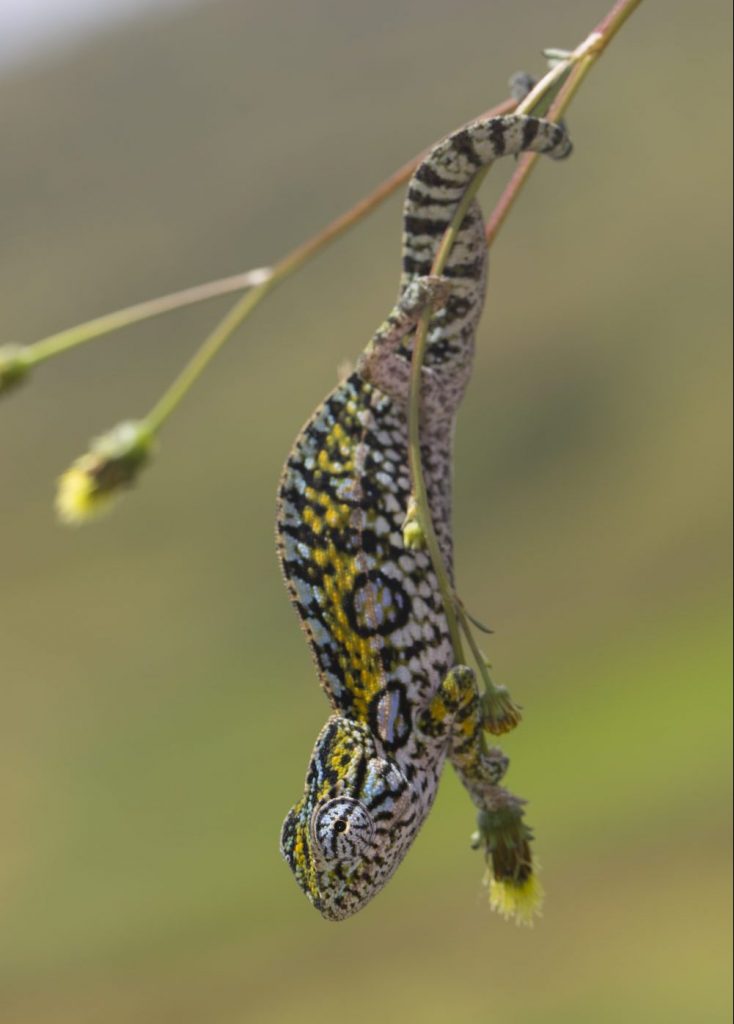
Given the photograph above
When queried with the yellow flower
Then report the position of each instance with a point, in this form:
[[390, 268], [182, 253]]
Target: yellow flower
[[519, 900], [95, 480], [13, 366]]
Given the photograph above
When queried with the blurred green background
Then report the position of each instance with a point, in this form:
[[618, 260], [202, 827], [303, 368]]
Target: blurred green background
[[158, 701]]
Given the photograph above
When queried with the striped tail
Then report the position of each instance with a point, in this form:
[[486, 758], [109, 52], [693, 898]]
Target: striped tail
[[434, 193]]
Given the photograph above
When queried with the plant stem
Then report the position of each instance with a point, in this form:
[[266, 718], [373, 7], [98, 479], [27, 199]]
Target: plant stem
[[418, 486], [203, 356], [283, 269], [478, 655], [54, 344], [565, 77], [62, 341], [583, 58]]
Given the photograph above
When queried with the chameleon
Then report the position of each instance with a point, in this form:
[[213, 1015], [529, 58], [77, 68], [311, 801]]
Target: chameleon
[[368, 602]]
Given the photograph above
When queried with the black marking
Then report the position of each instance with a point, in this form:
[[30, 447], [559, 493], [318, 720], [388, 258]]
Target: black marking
[[367, 614], [463, 144], [497, 130], [419, 267], [424, 226], [427, 175], [529, 131], [459, 306], [472, 270], [418, 198], [389, 715]]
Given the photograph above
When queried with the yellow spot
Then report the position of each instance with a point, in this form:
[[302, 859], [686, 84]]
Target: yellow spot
[[451, 687], [337, 515], [439, 711]]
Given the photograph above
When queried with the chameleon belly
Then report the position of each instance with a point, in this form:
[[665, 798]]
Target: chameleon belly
[[370, 608]]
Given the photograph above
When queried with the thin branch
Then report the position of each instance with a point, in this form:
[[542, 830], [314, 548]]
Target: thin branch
[[282, 270], [62, 341], [566, 76], [583, 59], [54, 344]]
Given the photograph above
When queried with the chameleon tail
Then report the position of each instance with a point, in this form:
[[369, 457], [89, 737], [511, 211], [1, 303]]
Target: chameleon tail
[[435, 192]]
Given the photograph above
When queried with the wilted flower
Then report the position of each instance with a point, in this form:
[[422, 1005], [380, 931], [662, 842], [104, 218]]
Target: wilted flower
[[500, 714], [95, 479], [514, 890], [13, 366]]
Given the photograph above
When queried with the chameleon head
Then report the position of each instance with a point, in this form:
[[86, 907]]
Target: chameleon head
[[354, 823]]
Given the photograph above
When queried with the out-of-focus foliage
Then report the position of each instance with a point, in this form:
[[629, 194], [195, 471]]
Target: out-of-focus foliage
[[158, 702]]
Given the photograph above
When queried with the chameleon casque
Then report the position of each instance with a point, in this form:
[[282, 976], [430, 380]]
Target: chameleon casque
[[370, 606]]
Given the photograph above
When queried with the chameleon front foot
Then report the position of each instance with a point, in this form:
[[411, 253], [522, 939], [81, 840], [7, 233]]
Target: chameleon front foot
[[382, 366], [505, 838], [428, 292]]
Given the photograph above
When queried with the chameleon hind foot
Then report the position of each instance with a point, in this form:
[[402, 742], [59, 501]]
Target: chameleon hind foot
[[455, 711], [457, 691]]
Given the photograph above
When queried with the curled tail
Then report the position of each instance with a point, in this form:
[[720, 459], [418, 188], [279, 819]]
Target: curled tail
[[435, 192]]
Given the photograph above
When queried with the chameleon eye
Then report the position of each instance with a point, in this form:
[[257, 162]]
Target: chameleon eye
[[343, 829]]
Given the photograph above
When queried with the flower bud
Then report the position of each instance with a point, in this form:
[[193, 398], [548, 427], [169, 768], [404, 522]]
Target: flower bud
[[95, 479], [414, 538]]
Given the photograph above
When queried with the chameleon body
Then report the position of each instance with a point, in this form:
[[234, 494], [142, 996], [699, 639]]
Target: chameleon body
[[370, 606]]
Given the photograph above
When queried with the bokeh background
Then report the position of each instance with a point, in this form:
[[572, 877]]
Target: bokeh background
[[158, 700]]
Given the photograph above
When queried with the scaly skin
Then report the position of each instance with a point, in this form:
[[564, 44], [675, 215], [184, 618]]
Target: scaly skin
[[371, 607]]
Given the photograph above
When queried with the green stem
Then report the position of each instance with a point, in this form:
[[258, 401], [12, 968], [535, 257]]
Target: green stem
[[564, 78], [420, 494], [54, 344], [67, 339], [203, 356], [288, 265], [580, 63], [479, 657], [419, 489]]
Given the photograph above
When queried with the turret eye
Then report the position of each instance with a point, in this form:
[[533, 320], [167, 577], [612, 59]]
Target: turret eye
[[343, 830]]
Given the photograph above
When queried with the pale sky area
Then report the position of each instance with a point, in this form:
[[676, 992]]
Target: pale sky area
[[28, 27]]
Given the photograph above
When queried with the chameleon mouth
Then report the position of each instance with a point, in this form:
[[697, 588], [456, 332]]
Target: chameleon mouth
[[342, 897]]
